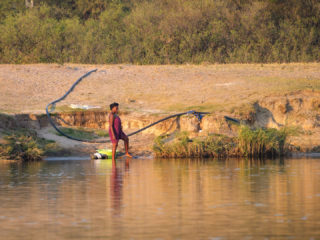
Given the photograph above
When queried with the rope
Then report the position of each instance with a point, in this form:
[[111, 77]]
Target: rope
[[166, 118], [52, 105], [232, 119]]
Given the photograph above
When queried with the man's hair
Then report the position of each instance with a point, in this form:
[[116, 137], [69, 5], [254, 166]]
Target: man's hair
[[112, 105]]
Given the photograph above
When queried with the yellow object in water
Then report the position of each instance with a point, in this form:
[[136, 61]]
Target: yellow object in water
[[107, 152]]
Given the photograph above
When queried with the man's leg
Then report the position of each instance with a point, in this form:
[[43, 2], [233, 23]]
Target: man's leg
[[126, 145], [114, 150]]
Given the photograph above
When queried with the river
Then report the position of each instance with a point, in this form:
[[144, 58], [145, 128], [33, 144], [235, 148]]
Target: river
[[161, 199]]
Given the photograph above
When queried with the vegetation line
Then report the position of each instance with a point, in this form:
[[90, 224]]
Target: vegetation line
[[253, 143], [159, 31], [25, 145]]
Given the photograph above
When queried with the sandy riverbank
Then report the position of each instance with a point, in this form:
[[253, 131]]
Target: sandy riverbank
[[270, 95]]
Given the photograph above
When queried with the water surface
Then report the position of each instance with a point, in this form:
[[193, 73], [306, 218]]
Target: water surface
[[161, 199]]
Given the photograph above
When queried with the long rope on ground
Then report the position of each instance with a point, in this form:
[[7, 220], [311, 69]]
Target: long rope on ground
[[52, 104]]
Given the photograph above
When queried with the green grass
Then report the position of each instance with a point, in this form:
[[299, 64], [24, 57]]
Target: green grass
[[253, 143], [4, 117], [206, 107], [101, 133], [264, 142], [281, 85], [82, 133], [183, 146], [243, 110], [7, 111], [25, 145]]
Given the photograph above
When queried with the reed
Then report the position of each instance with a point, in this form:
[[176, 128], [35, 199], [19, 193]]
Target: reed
[[183, 146], [264, 142], [253, 143]]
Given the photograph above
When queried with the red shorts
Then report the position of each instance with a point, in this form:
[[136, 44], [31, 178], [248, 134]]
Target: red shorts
[[122, 136]]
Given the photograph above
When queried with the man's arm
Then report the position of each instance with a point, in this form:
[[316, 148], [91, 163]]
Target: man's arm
[[111, 119]]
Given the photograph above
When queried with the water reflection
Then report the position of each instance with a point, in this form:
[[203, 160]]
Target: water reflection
[[116, 182], [116, 190], [165, 199]]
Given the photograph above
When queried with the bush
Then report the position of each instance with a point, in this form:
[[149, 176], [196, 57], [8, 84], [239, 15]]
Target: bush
[[264, 142], [160, 31], [253, 143], [24, 145], [316, 149], [182, 146]]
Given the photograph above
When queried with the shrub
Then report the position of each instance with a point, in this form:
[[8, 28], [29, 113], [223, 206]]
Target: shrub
[[182, 146], [316, 149], [159, 31], [253, 143], [264, 142], [24, 145]]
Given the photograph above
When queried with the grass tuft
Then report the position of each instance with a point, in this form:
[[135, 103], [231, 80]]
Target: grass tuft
[[183, 146], [253, 143], [25, 145], [264, 142]]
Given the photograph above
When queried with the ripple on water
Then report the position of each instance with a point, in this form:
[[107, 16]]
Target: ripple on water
[[152, 199]]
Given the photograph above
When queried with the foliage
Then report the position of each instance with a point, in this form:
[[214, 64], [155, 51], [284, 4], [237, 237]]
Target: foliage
[[316, 149], [262, 142], [25, 145], [182, 146], [159, 31], [257, 143]]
